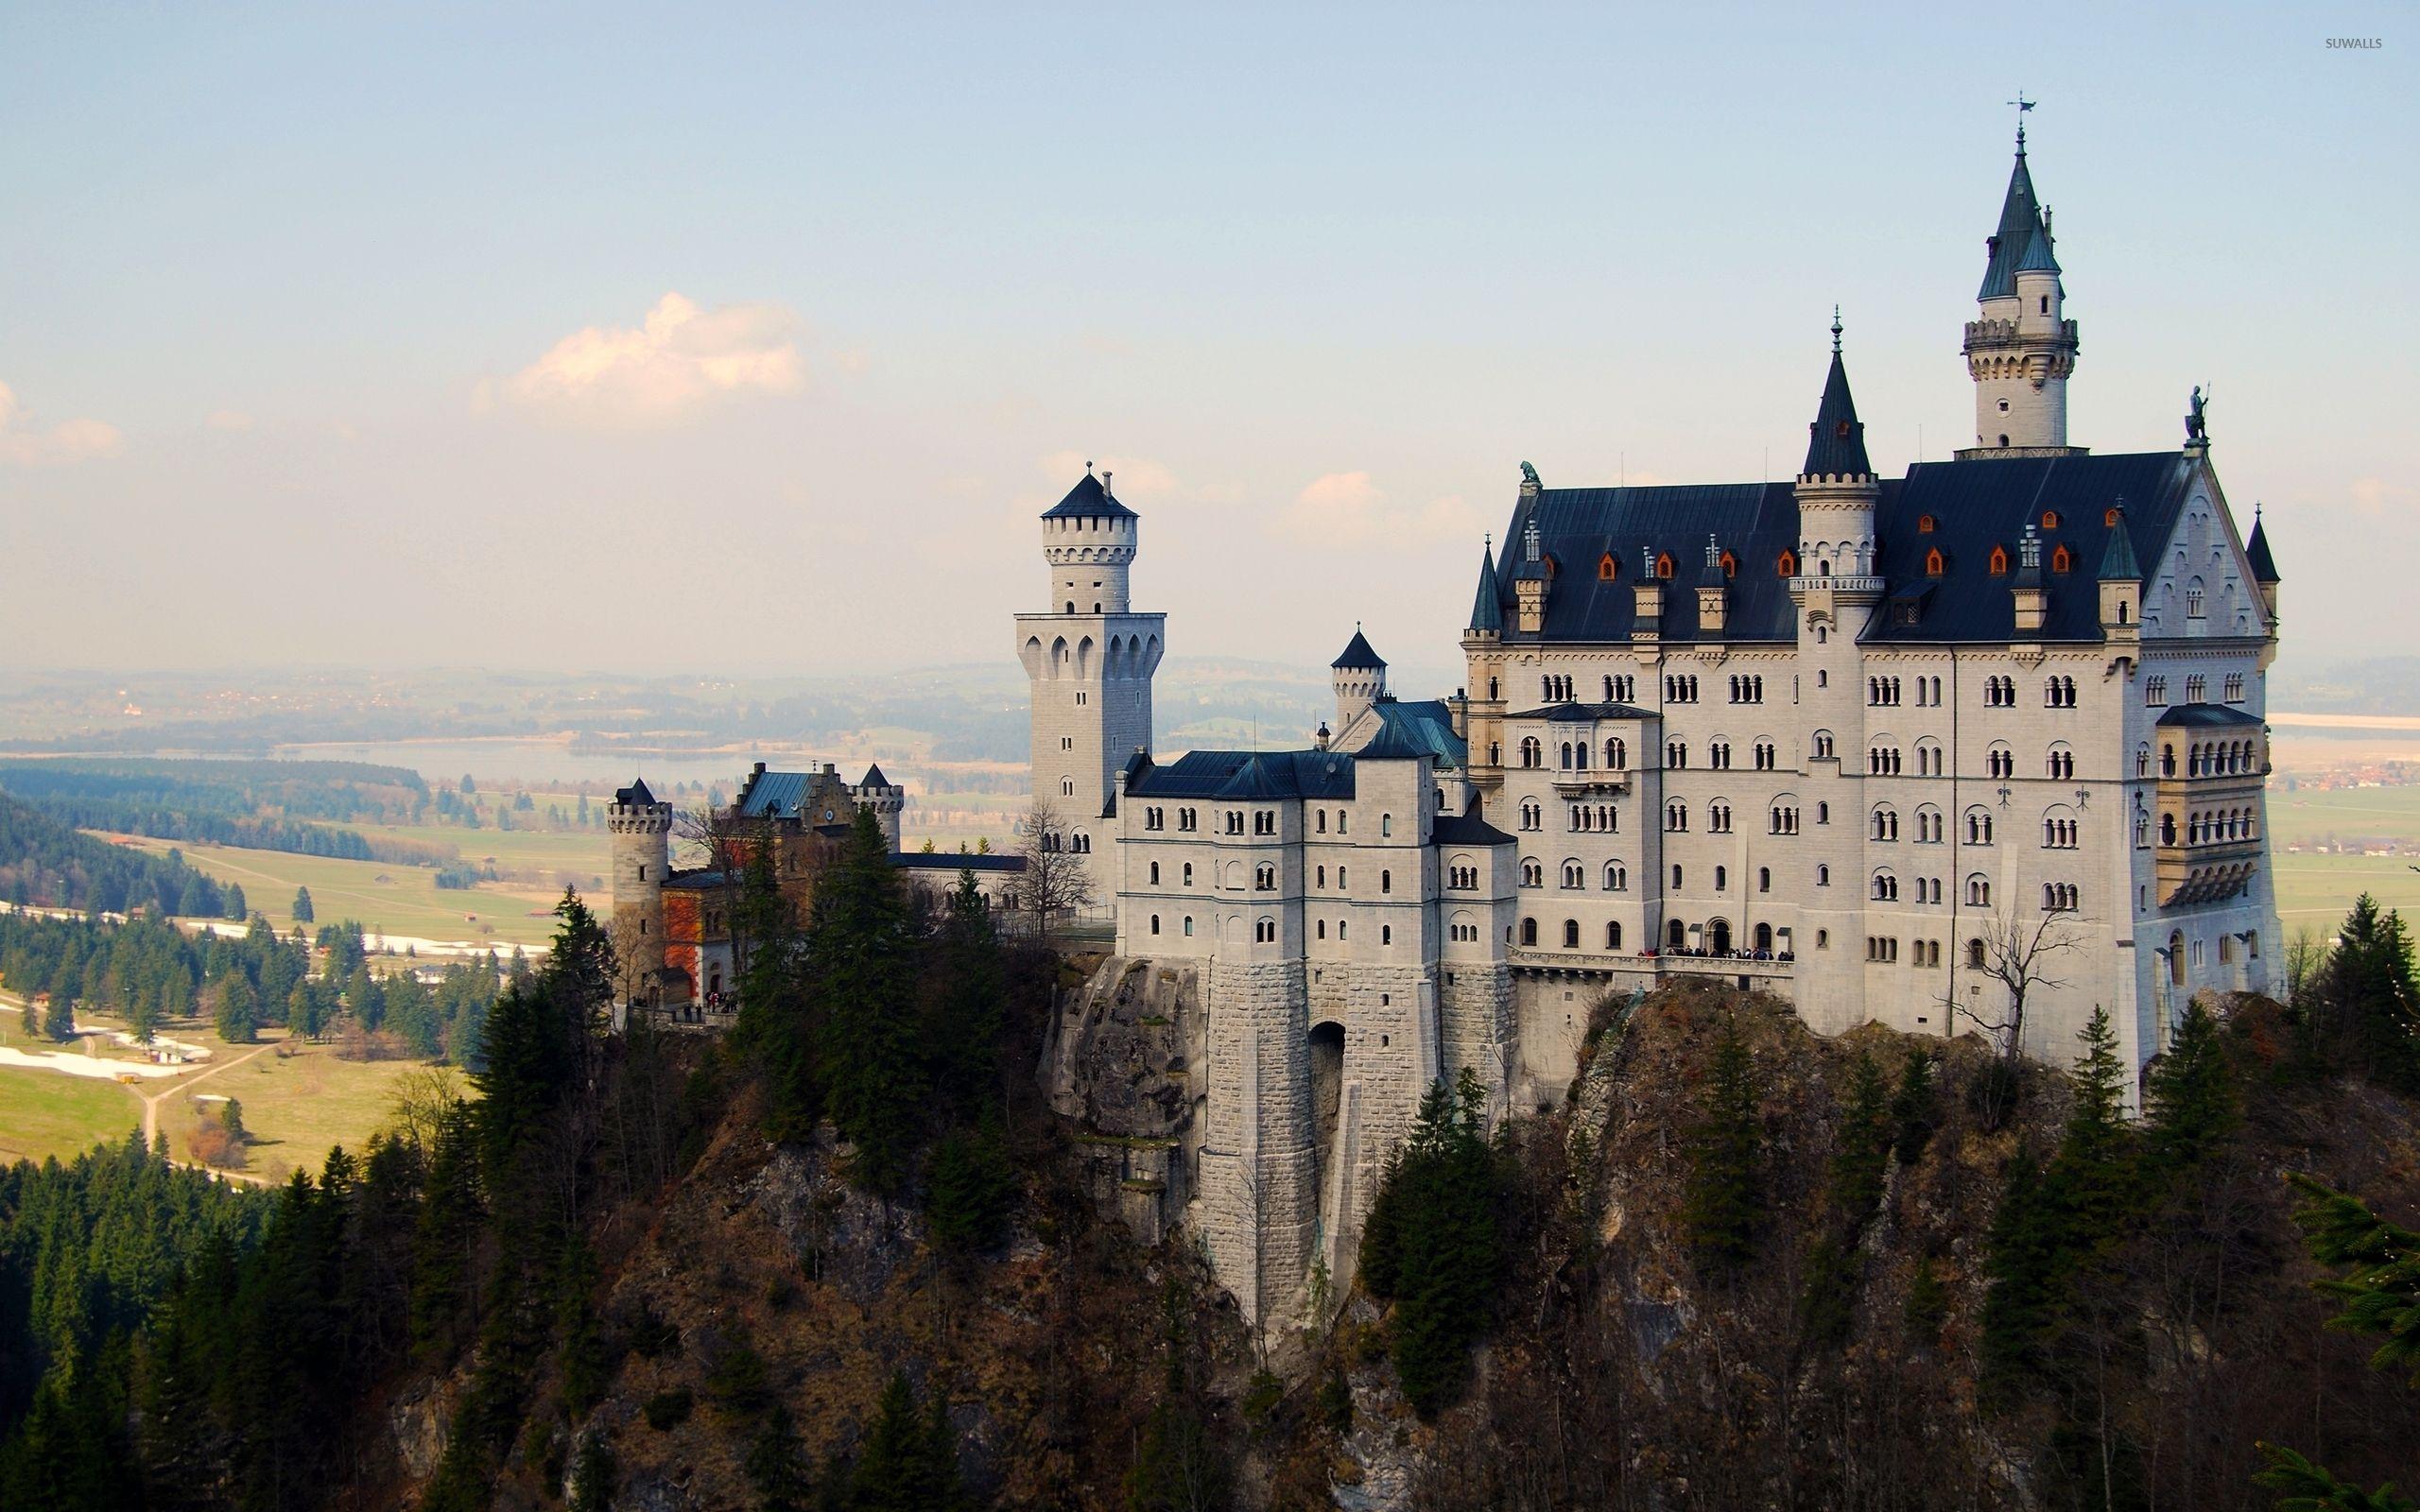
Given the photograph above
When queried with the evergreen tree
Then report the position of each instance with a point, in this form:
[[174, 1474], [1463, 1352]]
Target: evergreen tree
[[968, 999], [579, 1348], [1862, 1152], [2370, 991], [1911, 1107], [859, 974], [900, 1468], [775, 1022], [1724, 1207], [2190, 1095], [973, 1189], [237, 1012], [58, 1018], [237, 908], [302, 910], [2022, 1259], [1431, 1244], [776, 1467], [2093, 1175]]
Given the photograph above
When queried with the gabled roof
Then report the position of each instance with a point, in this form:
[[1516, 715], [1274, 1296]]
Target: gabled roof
[[1357, 656], [1836, 439], [873, 778], [1088, 499], [1261, 774], [1487, 608], [2264, 567], [2020, 217], [788, 796], [1422, 728], [634, 796], [1757, 521]]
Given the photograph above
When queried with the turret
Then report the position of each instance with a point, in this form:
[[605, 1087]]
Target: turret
[[1359, 679], [642, 840], [886, 798], [2264, 567], [1089, 540], [1835, 488], [1487, 605], [2022, 348]]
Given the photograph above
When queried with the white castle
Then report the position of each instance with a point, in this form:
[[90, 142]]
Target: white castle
[[1839, 740]]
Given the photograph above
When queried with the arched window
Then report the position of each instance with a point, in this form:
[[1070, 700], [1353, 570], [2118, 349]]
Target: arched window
[[1571, 934], [1999, 561], [1663, 564], [1934, 562], [2050, 519], [1614, 935], [1787, 565], [1528, 932], [1730, 564], [1606, 568], [1386, 882], [1975, 955], [2062, 560], [1924, 525], [1155, 881], [1616, 876], [1978, 892]]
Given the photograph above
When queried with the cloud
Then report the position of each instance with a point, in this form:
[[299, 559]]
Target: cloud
[[1341, 509], [679, 360], [26, 444], [2373, 497], [1138, 478], [227, 419]]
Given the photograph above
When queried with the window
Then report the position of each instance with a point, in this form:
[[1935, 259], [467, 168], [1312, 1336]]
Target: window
[[1999, 693], [1935, 564], [1264, 931], [2234, 687], [1978, 892], [1385, 825], [2058, 897], [1066, 787], [1664, 565], [2059, 693], [1764, 878], [1782, 818], [1676, 753], [1928, 827], [1886, 888], [1681, 687], [1999, 556], [2193, 599], [1721, 878], [1264, 822], [2062, 560], [2155, 693], [1786, 566], [2197, 688], [1606, 568], [1571, 934], [1999, 762], [1676, 876], [1979, 827], [1322, 929], [1822, 744], [1676, 816], [1188, 873], [1532, 814], [1264, 878], [1528, 932], [1533, 754], [1765, 755], [1717, 816], [1617, 877], [1613, 936], [1881, 949], [1188, 926], [1882, 761], [1386, 934], [1532, 874], [1924, 525], [1185, 819], [1155, 923], [1616, 754], [1823, 876], [1882, 692], [1883, 823], [1155, 874], [1748, 689], [2061, 763], [1717, 755]]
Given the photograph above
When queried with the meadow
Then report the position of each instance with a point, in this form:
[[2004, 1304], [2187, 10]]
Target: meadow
[[387, 899]]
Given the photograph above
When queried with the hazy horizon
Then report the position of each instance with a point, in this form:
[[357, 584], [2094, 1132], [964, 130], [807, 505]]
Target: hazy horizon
[[355, 339]]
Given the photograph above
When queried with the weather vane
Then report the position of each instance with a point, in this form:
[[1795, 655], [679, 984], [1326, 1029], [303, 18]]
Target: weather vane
[[2022, 105]]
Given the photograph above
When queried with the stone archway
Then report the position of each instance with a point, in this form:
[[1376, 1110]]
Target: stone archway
[[1717, 937]]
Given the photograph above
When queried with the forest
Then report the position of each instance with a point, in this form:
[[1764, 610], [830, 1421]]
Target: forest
[[844, 1257], [45, 863], [290, 806]]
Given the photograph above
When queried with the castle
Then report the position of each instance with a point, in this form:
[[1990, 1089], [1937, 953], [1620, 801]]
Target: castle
[[1881, 747]]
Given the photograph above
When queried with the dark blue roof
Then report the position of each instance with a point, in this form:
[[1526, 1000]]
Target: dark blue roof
[[779, 794], [1088, 499], [955, 861], [1569, 713], [693, 880], [2264, 567], [873, 776], [634, 796], [1245, 774], [2020, 217], [1757, 522], [1836, 438], [1465, 829], [1975, 504], [1424, 728], [1487, 608], [2037, 258], [2206, 716], [1358, 655]]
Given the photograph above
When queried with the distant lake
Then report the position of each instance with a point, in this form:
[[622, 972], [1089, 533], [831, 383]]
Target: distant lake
[[546, 761]]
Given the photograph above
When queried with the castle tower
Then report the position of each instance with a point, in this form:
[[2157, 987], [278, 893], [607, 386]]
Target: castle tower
[[2022, 348], [1834, 591], [1088, 659], [1360, 677], [886, 798], [642, 831]]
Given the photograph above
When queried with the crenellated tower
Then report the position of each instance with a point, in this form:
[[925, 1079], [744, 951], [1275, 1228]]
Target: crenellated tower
[[1359, 675], [642, 838], [886, 798], [2021, 348], [1088, 659]]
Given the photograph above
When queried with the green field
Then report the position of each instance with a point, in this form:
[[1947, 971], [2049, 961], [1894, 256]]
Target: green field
[[43, 1113], [2347, 814], [386, 898], [297, 1107]]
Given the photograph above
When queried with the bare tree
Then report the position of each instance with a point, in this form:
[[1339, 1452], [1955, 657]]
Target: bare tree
[[1057, 880], [2018, 956]]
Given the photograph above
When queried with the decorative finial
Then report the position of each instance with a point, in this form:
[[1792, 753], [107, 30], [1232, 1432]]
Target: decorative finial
[[2022, 105], [1835, 330], [1088, 466]]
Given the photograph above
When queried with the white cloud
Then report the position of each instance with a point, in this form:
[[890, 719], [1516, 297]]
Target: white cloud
[[26, 444], [227, 419], [1137, 478], [1341, 509], [677, 360]]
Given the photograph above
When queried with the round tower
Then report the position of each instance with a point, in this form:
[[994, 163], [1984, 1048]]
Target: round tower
[[2022, 348], [641, 830], [1360, 677], [1088, 542], [886, 798]]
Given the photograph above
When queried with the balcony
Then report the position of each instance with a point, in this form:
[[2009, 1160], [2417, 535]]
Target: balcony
[[2213, 871], [1574, 782], [1844, 583]]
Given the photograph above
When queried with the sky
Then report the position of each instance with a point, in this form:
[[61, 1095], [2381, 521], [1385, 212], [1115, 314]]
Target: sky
[[723, 337]]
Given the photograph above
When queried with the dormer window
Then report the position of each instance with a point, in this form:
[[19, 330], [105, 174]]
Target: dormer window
[[1730, 565], [1934, 562], [1606, 568], [1999, 561], [1788, 566], [2050, 519], [1924, 525], [1663, 564], [2109, 518], [2062, 560]]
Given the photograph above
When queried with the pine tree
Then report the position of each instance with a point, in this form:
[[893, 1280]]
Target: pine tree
[[2371, 990], [2093, 1177], [1862, 1152], [58, 1018], [893, 1473], [859, 955], [775, 1022], [581, 1350], [973, 1189], [237, 908], [237, 1015], [1436, 1251], [1724, 1207], [2021, 1260], [1911, 1107], [302, 910], [2192, 1097], [968, 996], [775, 1464]]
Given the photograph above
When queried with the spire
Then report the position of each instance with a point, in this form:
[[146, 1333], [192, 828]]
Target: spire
[[1487, 606], [2264, 567], [2037, 258], [2118, 564], [2020, 217], [1358, 655], [1836, 441]]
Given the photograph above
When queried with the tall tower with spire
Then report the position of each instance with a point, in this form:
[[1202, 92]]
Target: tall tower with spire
[[2021, 349], [1088, 659]]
